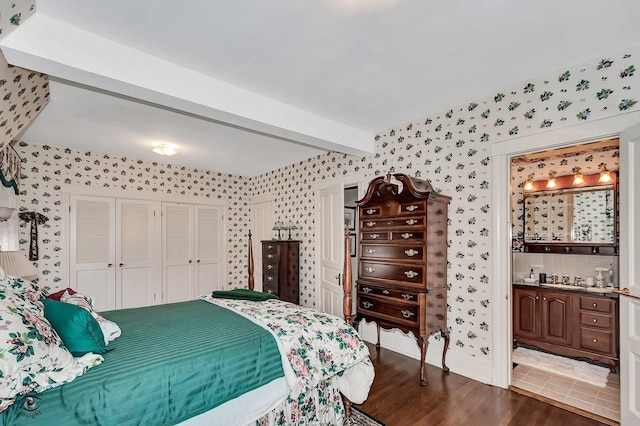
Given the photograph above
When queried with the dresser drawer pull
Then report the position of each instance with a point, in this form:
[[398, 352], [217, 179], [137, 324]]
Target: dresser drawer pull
[[407, 235], [595, 320], [411, 221], [270, 291], [411, 274], [269, 246], [367, 304], [385, 291], [370, 269], [269, 266], [374, 236], [411, 252], [371, 224], [595, 305], [407, 314], [371, 251], [366, 290], [412, 208], [595, 340], [371, 211], [269, 278], [269, 256], [407, 296]]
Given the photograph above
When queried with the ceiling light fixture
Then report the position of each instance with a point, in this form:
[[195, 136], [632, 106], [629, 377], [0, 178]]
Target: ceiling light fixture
[[528, 185], [605, 175], [578, 179], [165, 149], [551, 183]]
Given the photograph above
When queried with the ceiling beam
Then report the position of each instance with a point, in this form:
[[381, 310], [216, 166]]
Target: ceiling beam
[[60, 50]]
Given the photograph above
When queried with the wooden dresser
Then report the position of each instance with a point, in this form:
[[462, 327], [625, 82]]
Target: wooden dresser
[[402, 271], [281, 269]]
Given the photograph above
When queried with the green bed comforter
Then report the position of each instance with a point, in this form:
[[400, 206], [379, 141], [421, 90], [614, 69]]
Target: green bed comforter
[[172, 362]]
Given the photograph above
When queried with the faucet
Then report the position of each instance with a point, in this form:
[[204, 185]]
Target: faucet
[[565, 279], [576, 280], [554, 278]]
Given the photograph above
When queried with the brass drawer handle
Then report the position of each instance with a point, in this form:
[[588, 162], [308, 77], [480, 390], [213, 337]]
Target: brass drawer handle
[[370, 224], [595, 320], [366, 290], [411, 252], [407, 296], [367, 304], [411, 274], [411, 221], [371, 251], [269, 266], [270, 291], [407, 314], [374, 236], [595, 340], [407, 235], [269, 256], [595, 305], [371, 211], [370, 269], [385, 291], [269, 278], [269, 246], [412, 208]]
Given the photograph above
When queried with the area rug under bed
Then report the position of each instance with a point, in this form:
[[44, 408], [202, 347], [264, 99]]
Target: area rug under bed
[[578, 370], [360, 418]]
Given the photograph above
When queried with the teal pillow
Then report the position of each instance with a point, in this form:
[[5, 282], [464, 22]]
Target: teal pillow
[[79, 331]]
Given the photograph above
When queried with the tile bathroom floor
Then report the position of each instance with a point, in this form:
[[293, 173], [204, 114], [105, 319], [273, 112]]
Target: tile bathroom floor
[[604, 402]]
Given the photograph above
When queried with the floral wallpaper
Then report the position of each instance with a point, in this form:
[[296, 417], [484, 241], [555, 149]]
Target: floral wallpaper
[[23, 93], [47, 169], [452, 150]]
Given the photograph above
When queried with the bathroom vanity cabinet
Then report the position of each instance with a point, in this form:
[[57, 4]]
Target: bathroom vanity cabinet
[[566, 322]]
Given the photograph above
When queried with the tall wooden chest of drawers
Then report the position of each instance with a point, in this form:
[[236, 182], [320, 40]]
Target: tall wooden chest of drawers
[[281, 269], [402, 272]]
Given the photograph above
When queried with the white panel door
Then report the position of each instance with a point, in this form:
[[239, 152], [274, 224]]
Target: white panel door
[[331, 248], [177, 252], [92, 251], [138, 254], [209, 241], [630, 277], [263, 222]]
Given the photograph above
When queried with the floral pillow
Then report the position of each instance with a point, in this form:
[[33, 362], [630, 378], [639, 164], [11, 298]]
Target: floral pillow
[[32, 355]]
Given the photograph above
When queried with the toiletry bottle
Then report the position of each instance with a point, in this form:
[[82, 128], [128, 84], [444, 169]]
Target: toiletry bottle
[[532, 275]]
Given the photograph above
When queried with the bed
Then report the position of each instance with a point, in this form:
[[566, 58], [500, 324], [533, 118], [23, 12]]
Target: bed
[[208, 361]]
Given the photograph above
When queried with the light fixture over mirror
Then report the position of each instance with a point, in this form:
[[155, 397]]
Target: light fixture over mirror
[[578, 179], [551, 182], [605, 175], [528, 185]]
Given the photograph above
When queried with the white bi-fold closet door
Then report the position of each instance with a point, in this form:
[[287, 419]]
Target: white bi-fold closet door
[[192, 250], [115, 251]]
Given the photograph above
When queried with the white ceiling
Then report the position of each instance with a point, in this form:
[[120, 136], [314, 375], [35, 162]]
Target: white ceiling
[[288, 79]]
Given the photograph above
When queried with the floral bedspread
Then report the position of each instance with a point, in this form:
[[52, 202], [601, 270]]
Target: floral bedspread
[[320, 348]]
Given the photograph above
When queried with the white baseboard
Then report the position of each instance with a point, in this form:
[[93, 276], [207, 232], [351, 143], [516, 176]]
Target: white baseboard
[[474, 368]]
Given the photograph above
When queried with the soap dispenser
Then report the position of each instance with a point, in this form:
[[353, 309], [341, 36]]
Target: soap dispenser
[[532, 275]]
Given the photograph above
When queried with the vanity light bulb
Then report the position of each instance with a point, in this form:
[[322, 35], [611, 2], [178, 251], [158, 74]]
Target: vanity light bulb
[[605, 176], [551, 183], [528, 185], [578, 179]]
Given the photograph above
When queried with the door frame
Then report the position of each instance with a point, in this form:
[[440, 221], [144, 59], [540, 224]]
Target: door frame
[[359, 179], [501, 154]]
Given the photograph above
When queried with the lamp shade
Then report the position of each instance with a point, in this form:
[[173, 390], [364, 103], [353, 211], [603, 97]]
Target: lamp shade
[[16, 264]]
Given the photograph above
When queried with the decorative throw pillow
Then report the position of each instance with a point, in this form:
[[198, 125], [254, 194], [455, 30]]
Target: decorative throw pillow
[[25, 288], [34, 357], [79, 331], [110, 329], [58, 294]]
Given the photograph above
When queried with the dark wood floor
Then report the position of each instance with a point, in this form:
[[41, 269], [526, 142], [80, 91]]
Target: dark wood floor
[[397, 399]]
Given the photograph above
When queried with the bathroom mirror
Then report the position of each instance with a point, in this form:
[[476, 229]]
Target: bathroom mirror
[[571, 219]]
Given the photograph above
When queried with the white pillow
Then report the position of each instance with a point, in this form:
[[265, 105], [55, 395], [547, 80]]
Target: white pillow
[[110, 329]]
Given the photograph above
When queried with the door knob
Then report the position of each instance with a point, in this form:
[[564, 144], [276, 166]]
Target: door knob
[[190, 261], [198, 261], [109, 265], [121, 264]]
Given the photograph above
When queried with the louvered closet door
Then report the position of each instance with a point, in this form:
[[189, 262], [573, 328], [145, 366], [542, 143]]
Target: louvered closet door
[[208, 249], [177, 249], [138, 278], [92, 251]]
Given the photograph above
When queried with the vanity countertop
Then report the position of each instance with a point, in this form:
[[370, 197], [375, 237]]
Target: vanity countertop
[[601, 291]]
